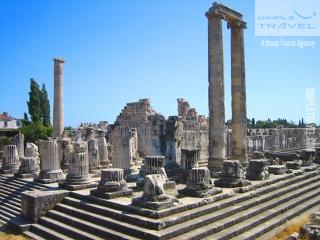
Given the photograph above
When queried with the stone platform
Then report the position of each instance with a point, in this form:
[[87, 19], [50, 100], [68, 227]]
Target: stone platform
[[234, 213]]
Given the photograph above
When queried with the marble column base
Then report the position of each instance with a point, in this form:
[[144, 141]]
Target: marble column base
[[231, 183], [156, 205], [51, 176], [111, 195]]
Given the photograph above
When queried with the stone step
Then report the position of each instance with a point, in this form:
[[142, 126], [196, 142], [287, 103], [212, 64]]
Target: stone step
[[10, 191], [14, 189], [114, 214], [32, 235], [46, 233], [97, 228], [10, 211], [79, 228], [245, 220], [213, 212], [25, 185], [181, 208], [6, 214], [8, 203], [8, 196], [35, 184], [266, 221], [100, 220], [202, 206], [234, 210], [270, 228], [249, 198]]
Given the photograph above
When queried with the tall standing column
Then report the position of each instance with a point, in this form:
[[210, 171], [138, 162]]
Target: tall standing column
[[58, 125], [239, 105], [216, 93]]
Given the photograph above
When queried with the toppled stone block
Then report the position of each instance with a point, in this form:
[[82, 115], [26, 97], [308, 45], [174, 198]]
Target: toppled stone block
[[257, 169], [199, 184], [112, 184], [35, 204], [293, 165], [153, 196], [29, 168], [232, 175], [154, 165], [308, 156], [315, 218], [277, 169], [309, 231]]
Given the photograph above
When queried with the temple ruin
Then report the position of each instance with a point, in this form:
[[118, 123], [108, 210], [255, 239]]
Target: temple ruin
[[147, 176]]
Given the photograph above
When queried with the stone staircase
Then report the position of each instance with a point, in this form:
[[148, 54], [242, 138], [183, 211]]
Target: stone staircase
[[246, 215], [10, 200]]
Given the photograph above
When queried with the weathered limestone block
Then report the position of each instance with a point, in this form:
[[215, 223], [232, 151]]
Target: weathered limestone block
[[257, 169], [110, 149], [112, 184], [103, 149], [257, 155], [29, 168], [93, 156], [50, 155], [35, 204], [293, 165], [154, 165], [315, 218], [189, 158], [309, 231], [18, 140], [11, 161], [78, 176], [308, 156], [199, 184], [32, 150], [153, 196], [277, 169], [67, 150], [183, 107], [126, 156], [232, 175]]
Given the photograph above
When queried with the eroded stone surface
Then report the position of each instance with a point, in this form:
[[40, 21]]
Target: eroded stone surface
[[199, 184], [257, 169], [154, 196], [11, 161], [232, 175], [112, 184]]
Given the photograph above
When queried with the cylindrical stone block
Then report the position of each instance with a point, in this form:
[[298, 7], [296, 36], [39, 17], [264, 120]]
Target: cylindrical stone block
[[51, 155], [11, 159], [78, 168], [18, 140]]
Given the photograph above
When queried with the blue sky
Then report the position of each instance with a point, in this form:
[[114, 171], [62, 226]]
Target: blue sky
[[120, 51]]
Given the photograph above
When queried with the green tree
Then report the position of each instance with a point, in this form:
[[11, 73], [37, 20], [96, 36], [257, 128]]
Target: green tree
[[253, 122], [35, 131], [45, 106], [34, 103]]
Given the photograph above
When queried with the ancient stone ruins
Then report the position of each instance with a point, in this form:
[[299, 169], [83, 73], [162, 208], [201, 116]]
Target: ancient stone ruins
[[150, 177]]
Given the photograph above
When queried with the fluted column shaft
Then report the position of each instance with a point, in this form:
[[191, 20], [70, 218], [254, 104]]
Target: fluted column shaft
[[58, 118], [239, 105], [216, 93]]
